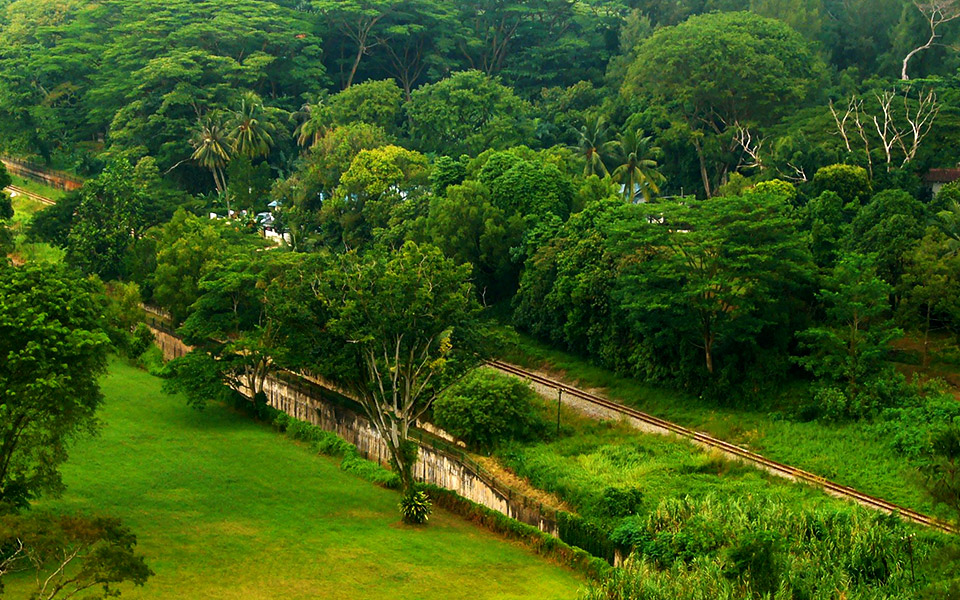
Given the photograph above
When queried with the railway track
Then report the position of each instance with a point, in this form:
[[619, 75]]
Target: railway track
[[18, 191], [669, 428]]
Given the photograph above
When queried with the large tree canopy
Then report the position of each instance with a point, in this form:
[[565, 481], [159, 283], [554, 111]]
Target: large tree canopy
[[724, 70], [54, 349]]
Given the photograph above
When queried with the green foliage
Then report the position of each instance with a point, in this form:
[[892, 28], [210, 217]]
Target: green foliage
[[465, 224], [524, 183], [848, 351], [587, 535], [828, 221], [198, 377], [850, 183], [888, 227], [942, 473], [67, 555], [375, 103], [415, 507], [620, 502], [486, 409], [747, 548], [108, 218], [467, 113], [696, 305], [188, 248], [54, 350], [52, 224], [721, 69]]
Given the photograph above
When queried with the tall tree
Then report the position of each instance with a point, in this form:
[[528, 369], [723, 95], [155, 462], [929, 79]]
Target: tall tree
[[109, 218], [718, 269], [722, 71], [593, 145], [252, 128], [848, 350], [403, 321], [213, 150], [54, 349], [936, 13], [359, 21]]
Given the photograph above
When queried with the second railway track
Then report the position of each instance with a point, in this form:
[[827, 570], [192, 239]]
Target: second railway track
[[19, 191], [665, 427]]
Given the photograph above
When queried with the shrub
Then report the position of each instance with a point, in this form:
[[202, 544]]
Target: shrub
[[415, 507], [486, 409], [141, 340], [620, 502], [368, 470]]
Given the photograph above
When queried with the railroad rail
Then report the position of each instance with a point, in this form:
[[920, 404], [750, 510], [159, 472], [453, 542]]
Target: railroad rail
[[19, 191], [667, 428]]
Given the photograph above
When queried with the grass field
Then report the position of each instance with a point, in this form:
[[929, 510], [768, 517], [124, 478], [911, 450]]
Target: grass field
[[227, 508], [23, 210], [849, 453], [37, 188]]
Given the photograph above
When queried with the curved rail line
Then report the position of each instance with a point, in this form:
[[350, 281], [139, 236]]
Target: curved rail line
[[22, 192], [703, 439]]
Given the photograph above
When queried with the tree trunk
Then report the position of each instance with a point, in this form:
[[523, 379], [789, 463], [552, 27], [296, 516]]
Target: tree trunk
[[708, 350], [703, 168]]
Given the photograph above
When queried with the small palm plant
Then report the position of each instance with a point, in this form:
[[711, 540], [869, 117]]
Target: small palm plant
[[415, 507]]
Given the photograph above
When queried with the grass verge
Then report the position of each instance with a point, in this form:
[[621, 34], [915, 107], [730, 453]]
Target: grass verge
[[224, 508]]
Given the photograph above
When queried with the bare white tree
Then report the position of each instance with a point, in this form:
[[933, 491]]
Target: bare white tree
[[743, 138], [894, 130], [936, 13], [920, 121]]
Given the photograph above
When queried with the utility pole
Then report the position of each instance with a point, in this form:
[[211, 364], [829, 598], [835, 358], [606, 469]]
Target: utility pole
[[559, 400]]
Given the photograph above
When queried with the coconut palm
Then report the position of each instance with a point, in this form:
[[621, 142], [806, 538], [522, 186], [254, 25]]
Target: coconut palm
[[212, 150], [637, 172], [252, 129], [592, 144], [312, 121]]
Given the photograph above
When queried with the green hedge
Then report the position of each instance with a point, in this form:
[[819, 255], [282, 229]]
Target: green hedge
[[330, 444], [543, 543], [587, 535]]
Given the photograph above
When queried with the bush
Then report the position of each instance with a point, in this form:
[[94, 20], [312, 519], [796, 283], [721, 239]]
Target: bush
[[620, 502], [486, 409], [141, 341], [415, 507]]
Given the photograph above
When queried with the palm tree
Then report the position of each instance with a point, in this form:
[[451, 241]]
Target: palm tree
[[212, 151], [312, 121], [592, 144], [252, 130], [638, 166]]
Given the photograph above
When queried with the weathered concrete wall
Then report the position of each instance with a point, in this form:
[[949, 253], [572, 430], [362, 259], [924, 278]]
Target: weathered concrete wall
[[433, 466], [55, 179]]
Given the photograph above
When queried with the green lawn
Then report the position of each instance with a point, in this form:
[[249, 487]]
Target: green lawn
[[226, 508], [853, 454]]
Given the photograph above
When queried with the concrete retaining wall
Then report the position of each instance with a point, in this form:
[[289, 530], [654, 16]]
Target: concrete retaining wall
[[434, 466]]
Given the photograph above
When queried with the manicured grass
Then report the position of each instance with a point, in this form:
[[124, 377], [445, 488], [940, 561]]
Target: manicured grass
[[853, 454], [227, 508], [37, 188]]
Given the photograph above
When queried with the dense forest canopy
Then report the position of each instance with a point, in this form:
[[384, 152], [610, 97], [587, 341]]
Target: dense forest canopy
[[86, 81], [747, 205]]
